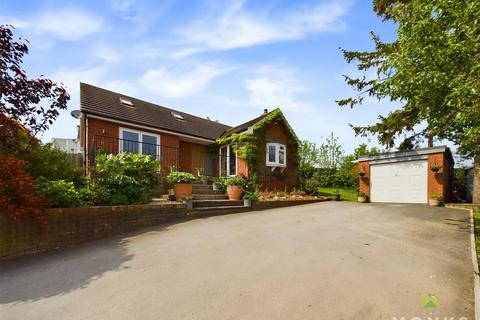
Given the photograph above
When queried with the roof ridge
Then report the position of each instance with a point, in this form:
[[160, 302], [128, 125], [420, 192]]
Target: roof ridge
[[157, 105]]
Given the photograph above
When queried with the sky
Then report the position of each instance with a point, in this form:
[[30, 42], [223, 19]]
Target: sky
[[227, 60]]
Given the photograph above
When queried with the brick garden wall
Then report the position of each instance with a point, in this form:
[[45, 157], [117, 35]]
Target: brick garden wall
[[72, 226]]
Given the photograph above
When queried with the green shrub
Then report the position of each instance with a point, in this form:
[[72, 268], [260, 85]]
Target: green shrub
[[123, 179], [94, 194], [221, 182], [60, 193], [311, 186], [47, 163], [180, 177], [235, 181]]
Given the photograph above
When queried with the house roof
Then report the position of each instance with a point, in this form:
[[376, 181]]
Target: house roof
[[244, 126], [105, 103], [407, 155]]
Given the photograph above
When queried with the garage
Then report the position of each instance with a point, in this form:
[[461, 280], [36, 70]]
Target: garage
[[412, 176]]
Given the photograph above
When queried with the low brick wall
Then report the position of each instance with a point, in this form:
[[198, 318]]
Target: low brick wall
[[72, 226]]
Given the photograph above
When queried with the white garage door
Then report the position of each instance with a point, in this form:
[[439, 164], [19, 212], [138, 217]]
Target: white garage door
[[399, 182]]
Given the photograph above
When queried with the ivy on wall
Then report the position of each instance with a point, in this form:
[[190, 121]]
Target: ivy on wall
[[251, 145]]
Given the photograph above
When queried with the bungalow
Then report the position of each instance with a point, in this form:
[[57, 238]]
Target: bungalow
[[265, 146]]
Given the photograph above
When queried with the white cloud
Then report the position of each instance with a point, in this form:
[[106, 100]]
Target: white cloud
[[106, 53], [66, 24], [174, 83], [235, 27], [272, 86]]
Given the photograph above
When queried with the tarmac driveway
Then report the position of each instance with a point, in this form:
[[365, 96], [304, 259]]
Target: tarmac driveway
[[320, 261]]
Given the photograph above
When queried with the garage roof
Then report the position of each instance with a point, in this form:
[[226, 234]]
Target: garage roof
[[409, 155]]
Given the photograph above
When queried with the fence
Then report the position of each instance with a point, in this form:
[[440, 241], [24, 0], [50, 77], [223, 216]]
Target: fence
[[194, 159]]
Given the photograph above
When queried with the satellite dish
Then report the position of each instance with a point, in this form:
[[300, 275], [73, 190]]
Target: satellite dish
[[76, 114]]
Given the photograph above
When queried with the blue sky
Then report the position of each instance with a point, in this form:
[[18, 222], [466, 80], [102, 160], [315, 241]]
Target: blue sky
[[227, 60]]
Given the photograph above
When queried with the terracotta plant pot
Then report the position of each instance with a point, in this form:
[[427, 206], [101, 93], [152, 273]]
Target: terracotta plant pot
[[234, 192], [362, 199], [182, 190], [434, 202]]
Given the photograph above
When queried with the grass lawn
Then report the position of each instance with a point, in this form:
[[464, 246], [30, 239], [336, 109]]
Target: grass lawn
[[476, 218], [345, 194]]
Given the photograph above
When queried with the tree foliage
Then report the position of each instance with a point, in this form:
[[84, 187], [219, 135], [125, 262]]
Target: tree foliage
[[27, 106], [432, 70]]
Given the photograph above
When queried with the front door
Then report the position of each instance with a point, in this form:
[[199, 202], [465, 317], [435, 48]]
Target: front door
[[227, 161]]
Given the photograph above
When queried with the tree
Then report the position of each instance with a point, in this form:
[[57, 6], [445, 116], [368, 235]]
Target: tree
[[27, 107], [29, 103], [432, 69], [330, 153], [308, 155]]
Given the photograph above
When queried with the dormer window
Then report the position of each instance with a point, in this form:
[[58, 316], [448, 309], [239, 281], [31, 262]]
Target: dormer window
[[178, 116], [126, 102]]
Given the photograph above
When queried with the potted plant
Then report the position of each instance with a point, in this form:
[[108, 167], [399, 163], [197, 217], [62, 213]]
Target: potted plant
[[336, 195], [188, 202], [182, 183], [435, 200], [436, 167], [235, 188], [362, 197], [219, 184], [249, 197]]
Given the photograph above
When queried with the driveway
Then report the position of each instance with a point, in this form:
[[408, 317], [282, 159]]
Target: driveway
[[320, 261]]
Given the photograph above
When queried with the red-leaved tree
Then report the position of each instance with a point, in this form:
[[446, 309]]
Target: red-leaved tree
[[27, 107]]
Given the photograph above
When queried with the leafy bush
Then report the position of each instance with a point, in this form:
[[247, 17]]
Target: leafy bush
[[123, 179], [143, 168], [60, 193], [311, 186], [94, 194], [221, 183], [180, 177], [47, 163], [235, 181]]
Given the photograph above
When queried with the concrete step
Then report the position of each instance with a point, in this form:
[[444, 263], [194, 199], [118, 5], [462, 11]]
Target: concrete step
[[216, 203], [221, 210], [205, 191], [209, 196]]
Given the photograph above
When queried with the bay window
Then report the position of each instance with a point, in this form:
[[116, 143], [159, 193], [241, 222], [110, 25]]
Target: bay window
[[276, 154]]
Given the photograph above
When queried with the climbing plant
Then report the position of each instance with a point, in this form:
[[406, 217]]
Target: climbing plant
[[251, 145]]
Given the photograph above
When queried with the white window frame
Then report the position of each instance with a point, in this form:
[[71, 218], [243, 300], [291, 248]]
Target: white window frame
[[276, 163], [140, 138], [227, 146]]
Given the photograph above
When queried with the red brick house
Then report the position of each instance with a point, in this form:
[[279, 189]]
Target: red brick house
[[114, 123]]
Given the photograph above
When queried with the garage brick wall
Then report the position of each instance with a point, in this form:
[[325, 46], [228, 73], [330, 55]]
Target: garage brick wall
[[438, 182], [364, 182]]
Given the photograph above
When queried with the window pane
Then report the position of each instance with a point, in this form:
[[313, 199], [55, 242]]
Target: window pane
[[223, 161], [149, 145], [281, 156], [232, 160], [271, 153], [130, 142]]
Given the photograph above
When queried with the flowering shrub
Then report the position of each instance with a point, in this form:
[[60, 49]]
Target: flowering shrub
[[18, 197]]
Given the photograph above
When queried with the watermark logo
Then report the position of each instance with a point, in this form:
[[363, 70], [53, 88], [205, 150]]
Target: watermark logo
[[430, 301]]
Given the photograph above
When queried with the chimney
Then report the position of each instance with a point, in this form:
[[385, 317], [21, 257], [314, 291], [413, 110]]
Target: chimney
[[265, 111]]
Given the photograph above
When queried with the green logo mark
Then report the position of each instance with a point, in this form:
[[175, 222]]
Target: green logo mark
[[430, 300]]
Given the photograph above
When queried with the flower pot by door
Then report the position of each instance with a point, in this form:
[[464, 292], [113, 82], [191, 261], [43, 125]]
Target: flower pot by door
[[182, 190], [362, 199], [434, 202], [234, 192], [247, 202]]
